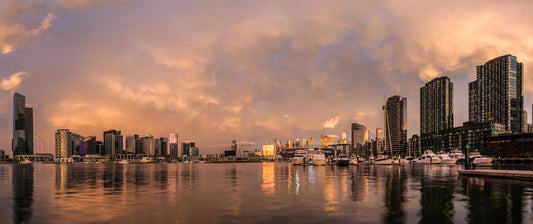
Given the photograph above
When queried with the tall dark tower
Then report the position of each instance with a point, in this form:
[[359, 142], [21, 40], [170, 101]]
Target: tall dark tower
[[497, 95], [233, 145], [396, 124], [22, 126]]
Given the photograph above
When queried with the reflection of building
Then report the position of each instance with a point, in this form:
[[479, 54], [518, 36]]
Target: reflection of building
[[22, 126], [269, 184], [396, 124], [23, 193], [63, 143], [113, 143], [497, 95], [173, 145]]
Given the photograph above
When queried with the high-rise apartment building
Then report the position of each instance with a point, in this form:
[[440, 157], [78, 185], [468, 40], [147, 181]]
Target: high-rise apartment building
[[186, 149], [63, 143], [164, 146], [497, 95], [359, 134], [173, 145], [436, 106], [113, 142], [379, 133], [22, 143], [396, 124], [131, 143]]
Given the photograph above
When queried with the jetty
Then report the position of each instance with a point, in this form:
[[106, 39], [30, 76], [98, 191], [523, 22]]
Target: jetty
[[514, 174]]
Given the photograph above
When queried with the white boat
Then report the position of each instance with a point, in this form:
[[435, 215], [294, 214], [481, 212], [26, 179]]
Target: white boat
[[354, 160], [445, 159], [457, 154], [299, 157], [319, 159], [146, 160], [26, 161], [479, 160], [429, 157], [342, 161], [124, 161], [407, 160], [387, 161]]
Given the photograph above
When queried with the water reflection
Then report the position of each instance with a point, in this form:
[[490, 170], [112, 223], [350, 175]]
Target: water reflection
[[23, 192], [257, 193], [494, 200]]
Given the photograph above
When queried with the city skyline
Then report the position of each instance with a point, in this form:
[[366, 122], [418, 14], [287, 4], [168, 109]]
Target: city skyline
[[257, 72]]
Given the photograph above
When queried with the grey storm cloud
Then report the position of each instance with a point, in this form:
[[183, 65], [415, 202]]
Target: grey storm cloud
[[214, 71]]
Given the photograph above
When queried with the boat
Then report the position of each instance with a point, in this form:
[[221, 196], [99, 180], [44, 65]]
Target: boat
[[457, 154], [319, 159], [146, 160], [407, 160], [477, 159], [124, 161], [387, 161], [429, 157], [445, 159], [354, 160], [342, 161], [26, 161], [299, 157]]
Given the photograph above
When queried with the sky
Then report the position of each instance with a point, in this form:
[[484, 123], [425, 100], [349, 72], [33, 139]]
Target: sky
[[218, 70]]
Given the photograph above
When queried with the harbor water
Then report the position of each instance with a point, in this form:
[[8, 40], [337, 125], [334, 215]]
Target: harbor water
[[257, 193]]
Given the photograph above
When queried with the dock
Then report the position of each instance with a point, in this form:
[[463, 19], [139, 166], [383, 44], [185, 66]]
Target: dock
[[514, 174]]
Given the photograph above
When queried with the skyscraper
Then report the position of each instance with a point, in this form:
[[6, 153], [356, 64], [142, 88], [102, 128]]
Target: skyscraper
[[186, 150], [497, 95], [130, 144], [113, 142], [164, 146], [379, 133], [233, 145], [173, 145], [396, 124], [436, 106], [22, 143], [63, 143], [359, 134]]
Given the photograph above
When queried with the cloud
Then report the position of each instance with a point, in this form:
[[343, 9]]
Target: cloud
[[82, 4], [16, 21], [13, 81], [331, 123]]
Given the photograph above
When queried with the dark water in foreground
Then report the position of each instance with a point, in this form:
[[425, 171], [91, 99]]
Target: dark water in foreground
[[256, 193]]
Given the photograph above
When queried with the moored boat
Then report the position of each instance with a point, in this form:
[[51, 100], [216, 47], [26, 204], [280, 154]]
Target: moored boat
[[342, 161], [445, 159], [299, 157], [319, 160], [429, 157]]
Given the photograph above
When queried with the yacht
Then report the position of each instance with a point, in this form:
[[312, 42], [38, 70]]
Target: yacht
[[124, 161], [387, 161], [26, 161], [319, 159], [354, 160], [407, 160], [429, 157], [342, 161], [457, 154], [146, 160], [478, 159], [445, 159], [299, 157]]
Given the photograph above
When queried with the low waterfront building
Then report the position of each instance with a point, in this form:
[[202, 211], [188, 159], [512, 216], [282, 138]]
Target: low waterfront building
[[473, 134], [511, 145], [268, 151]]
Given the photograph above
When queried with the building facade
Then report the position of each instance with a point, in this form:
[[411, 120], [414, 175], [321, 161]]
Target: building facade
[[359, 134], [436, 109], [173, 145], [22, 143], [113, 142], [63, 143], [497, 95], [396, 124]]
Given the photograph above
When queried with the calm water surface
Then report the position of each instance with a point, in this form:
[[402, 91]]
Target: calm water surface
[[256, 193]]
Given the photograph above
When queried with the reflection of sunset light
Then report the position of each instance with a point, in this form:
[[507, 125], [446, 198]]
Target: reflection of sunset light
[[268, 178]]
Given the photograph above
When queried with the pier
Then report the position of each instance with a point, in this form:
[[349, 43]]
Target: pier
[[515, 174]]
